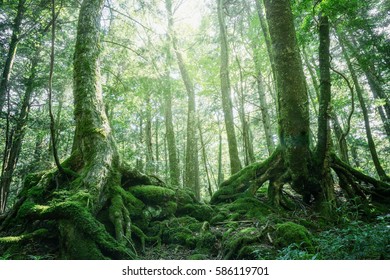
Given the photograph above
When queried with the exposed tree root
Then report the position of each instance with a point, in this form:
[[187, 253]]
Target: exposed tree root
[[75, 206], [251, 178], [355, 183]]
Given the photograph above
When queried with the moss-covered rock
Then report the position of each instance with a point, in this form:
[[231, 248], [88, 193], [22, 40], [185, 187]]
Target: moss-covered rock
[[152, 195], [289, 233], [207, 243], [236, 240], [199, 211], [181, 231], [250, 207]]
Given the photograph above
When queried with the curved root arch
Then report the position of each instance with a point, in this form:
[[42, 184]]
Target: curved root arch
[[273, 170]]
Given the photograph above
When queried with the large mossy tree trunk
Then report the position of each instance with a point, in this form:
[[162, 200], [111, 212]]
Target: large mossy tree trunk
[[68, 204], [293, 110]]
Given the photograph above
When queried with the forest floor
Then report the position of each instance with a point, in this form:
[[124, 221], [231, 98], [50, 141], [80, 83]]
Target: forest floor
[[172, 225], [248, 228]]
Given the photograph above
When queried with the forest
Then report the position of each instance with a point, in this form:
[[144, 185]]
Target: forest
[[198, 130]]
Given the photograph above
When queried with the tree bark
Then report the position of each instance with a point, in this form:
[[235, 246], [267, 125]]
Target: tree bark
[[174, 172], [235, 164], [12, 153], [359, 91], [5, 77], [293, 113], [192, 161], [323, 161]]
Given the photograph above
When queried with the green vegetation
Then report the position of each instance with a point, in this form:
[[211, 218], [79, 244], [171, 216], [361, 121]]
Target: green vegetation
[[194, 130]]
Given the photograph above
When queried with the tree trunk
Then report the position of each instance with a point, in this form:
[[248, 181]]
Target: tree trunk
[[326, 198], [249, 156], [235, 164], [205, 161], [265, 117], [12, 152], [264, 29], [192, 161], [5, 77], [174, 172], [293, 113], [374, 83], [370, 139], [148, 137]]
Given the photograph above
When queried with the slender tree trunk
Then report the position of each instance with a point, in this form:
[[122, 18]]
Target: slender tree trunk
[[340, 139], [265, 117], [235, 164], [5, 77], [375, 85], [148, 138], [264, 29], [174, 172], [359, 93], [325, 92], [220, 171], [139, 161], [157, 146], [204, 157], [249, 156], [327, 197], [192, 161], [13, 152]]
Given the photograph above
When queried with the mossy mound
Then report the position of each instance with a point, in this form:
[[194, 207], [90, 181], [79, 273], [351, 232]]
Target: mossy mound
[[152, 195], [291, 233], [159, 201], [250, 207], [207, 243], [180, 231], [235, 241], [199, 211]]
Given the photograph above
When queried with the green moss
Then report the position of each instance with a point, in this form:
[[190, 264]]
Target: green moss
[[152, 195], [251, 208], [233, 243], [23, 237], [181, 231], [256, 252], [289, 233], [25, 208], [201, 212], [206, 243], [220, 217], [184, 196], [196, 257]]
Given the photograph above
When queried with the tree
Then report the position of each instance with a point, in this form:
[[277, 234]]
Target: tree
[[192, 160], [93, 172], [235, 164], [308, 172], [15, 38]]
